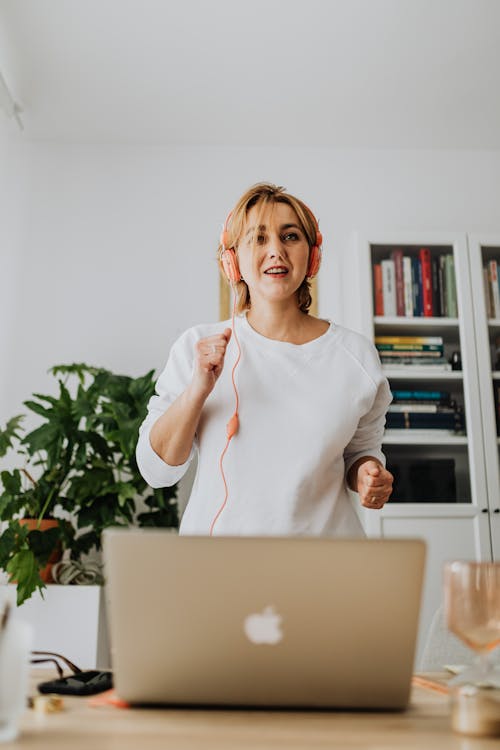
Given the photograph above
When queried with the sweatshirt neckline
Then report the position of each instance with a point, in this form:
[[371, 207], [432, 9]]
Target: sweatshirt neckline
[[259, 338]]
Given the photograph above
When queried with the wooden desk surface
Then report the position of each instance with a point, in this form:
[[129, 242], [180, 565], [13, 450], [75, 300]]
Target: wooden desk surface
[[424, 726]]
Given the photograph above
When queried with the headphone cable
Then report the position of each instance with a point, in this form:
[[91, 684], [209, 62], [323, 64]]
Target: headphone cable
[[233, 424]]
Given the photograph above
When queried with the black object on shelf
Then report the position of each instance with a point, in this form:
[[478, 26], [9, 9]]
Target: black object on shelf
[[423, 481], [496, 396], [496, 365], [456, 361]]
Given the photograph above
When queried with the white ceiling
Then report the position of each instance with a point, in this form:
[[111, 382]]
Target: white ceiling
[[339, 73]]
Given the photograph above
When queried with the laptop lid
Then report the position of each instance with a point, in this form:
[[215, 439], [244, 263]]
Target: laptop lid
[[262, 621]]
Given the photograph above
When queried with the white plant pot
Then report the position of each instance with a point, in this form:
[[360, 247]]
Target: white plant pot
[[69, 620]]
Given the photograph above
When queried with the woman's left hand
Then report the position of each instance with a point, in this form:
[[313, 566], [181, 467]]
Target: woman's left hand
[[374, 484]]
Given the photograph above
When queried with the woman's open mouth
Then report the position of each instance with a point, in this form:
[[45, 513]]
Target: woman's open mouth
[[276, 271]]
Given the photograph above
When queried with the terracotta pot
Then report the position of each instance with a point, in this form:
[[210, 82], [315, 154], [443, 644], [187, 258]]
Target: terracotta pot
[[56, 554]]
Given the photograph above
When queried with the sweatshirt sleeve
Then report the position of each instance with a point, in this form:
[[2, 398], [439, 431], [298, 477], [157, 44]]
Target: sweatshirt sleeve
[[367, 440], [171, 383]]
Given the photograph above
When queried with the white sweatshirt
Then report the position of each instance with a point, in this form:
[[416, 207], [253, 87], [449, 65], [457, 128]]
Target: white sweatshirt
[[307, 413]]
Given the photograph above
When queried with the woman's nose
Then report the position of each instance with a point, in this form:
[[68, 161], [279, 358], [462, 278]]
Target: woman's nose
[[274, 246]]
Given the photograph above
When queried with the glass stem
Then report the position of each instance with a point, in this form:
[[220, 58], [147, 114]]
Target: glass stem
[[483, 663]]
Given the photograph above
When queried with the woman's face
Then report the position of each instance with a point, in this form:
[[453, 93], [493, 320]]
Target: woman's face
[[273, 257]]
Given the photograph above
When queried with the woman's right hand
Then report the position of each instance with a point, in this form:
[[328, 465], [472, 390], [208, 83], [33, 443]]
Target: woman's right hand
[[172, 434], [209, 362]]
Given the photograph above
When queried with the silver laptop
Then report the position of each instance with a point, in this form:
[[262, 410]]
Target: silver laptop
[[244, 621]]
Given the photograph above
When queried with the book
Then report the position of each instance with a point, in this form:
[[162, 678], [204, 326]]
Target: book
[[397, 257], [442, 286], [410, 347], [408, 340], [416, 273], [417, 432], [495, 294], [409, 420], [451, 290], [487, 293], [406, 353], [378, 289], [389, 287], [417, 367], [420, 394], [425, 264], [413, 361], [436, 300], [420, 408], [407, 286], [422, 402]]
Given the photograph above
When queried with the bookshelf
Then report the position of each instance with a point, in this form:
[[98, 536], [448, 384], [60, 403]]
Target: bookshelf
[[483, 250], [456, 518]]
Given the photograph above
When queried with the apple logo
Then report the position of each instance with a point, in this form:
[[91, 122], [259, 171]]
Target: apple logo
[[264, 627]]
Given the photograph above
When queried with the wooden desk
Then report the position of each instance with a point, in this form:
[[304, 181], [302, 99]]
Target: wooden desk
[[424, 726]]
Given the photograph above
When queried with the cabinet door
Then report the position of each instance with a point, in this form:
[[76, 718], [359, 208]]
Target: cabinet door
[[484, 259]]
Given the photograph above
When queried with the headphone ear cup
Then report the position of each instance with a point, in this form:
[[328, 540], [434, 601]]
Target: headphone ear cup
[[314, 262], [230, 265]]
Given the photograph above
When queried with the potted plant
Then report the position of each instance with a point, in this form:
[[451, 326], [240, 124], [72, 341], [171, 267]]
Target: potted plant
[[77, 471]]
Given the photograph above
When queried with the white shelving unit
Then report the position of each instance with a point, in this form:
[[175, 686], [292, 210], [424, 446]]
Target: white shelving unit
[[482, 249], [451, 529]]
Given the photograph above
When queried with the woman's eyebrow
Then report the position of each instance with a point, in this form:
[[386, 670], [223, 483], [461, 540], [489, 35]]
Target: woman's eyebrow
[[262, 228]]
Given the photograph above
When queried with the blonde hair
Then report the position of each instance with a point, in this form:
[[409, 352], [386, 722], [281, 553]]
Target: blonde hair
[[263, 195]]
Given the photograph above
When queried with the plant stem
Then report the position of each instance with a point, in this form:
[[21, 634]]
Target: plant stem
[[26, 473], [46, 505]]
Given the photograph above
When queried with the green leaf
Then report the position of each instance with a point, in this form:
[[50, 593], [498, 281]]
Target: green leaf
[[85, 403], [11, 481], [43, 438], [23, 568], [79, 369], [126, 492], [49, 399], [96, 442], [10, 433], [141, 389], [38, 408], [8, 545]]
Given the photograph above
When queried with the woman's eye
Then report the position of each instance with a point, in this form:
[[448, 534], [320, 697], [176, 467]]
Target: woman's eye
[[260, 239], [291, 237]]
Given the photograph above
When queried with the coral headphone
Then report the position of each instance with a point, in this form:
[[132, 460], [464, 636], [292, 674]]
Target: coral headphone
[[230, 263]]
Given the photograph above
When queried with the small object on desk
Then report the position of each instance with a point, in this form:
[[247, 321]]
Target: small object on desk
[[46, 704], [475, 712], [82, 683]]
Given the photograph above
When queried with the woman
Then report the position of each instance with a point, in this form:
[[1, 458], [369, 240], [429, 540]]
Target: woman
[[310, 395]]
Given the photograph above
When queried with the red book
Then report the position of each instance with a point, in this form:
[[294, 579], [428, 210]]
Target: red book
[[397, 256], [425, 260], [378, 289]]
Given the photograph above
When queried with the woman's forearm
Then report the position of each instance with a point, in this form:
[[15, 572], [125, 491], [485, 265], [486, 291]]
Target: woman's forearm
[[172, 434]]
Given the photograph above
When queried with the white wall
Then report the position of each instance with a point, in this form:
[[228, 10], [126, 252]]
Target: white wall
[[108, 252], [11, 202]]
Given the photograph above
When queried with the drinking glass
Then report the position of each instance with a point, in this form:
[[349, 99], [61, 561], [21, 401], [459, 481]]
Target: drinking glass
[[472, 607]]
